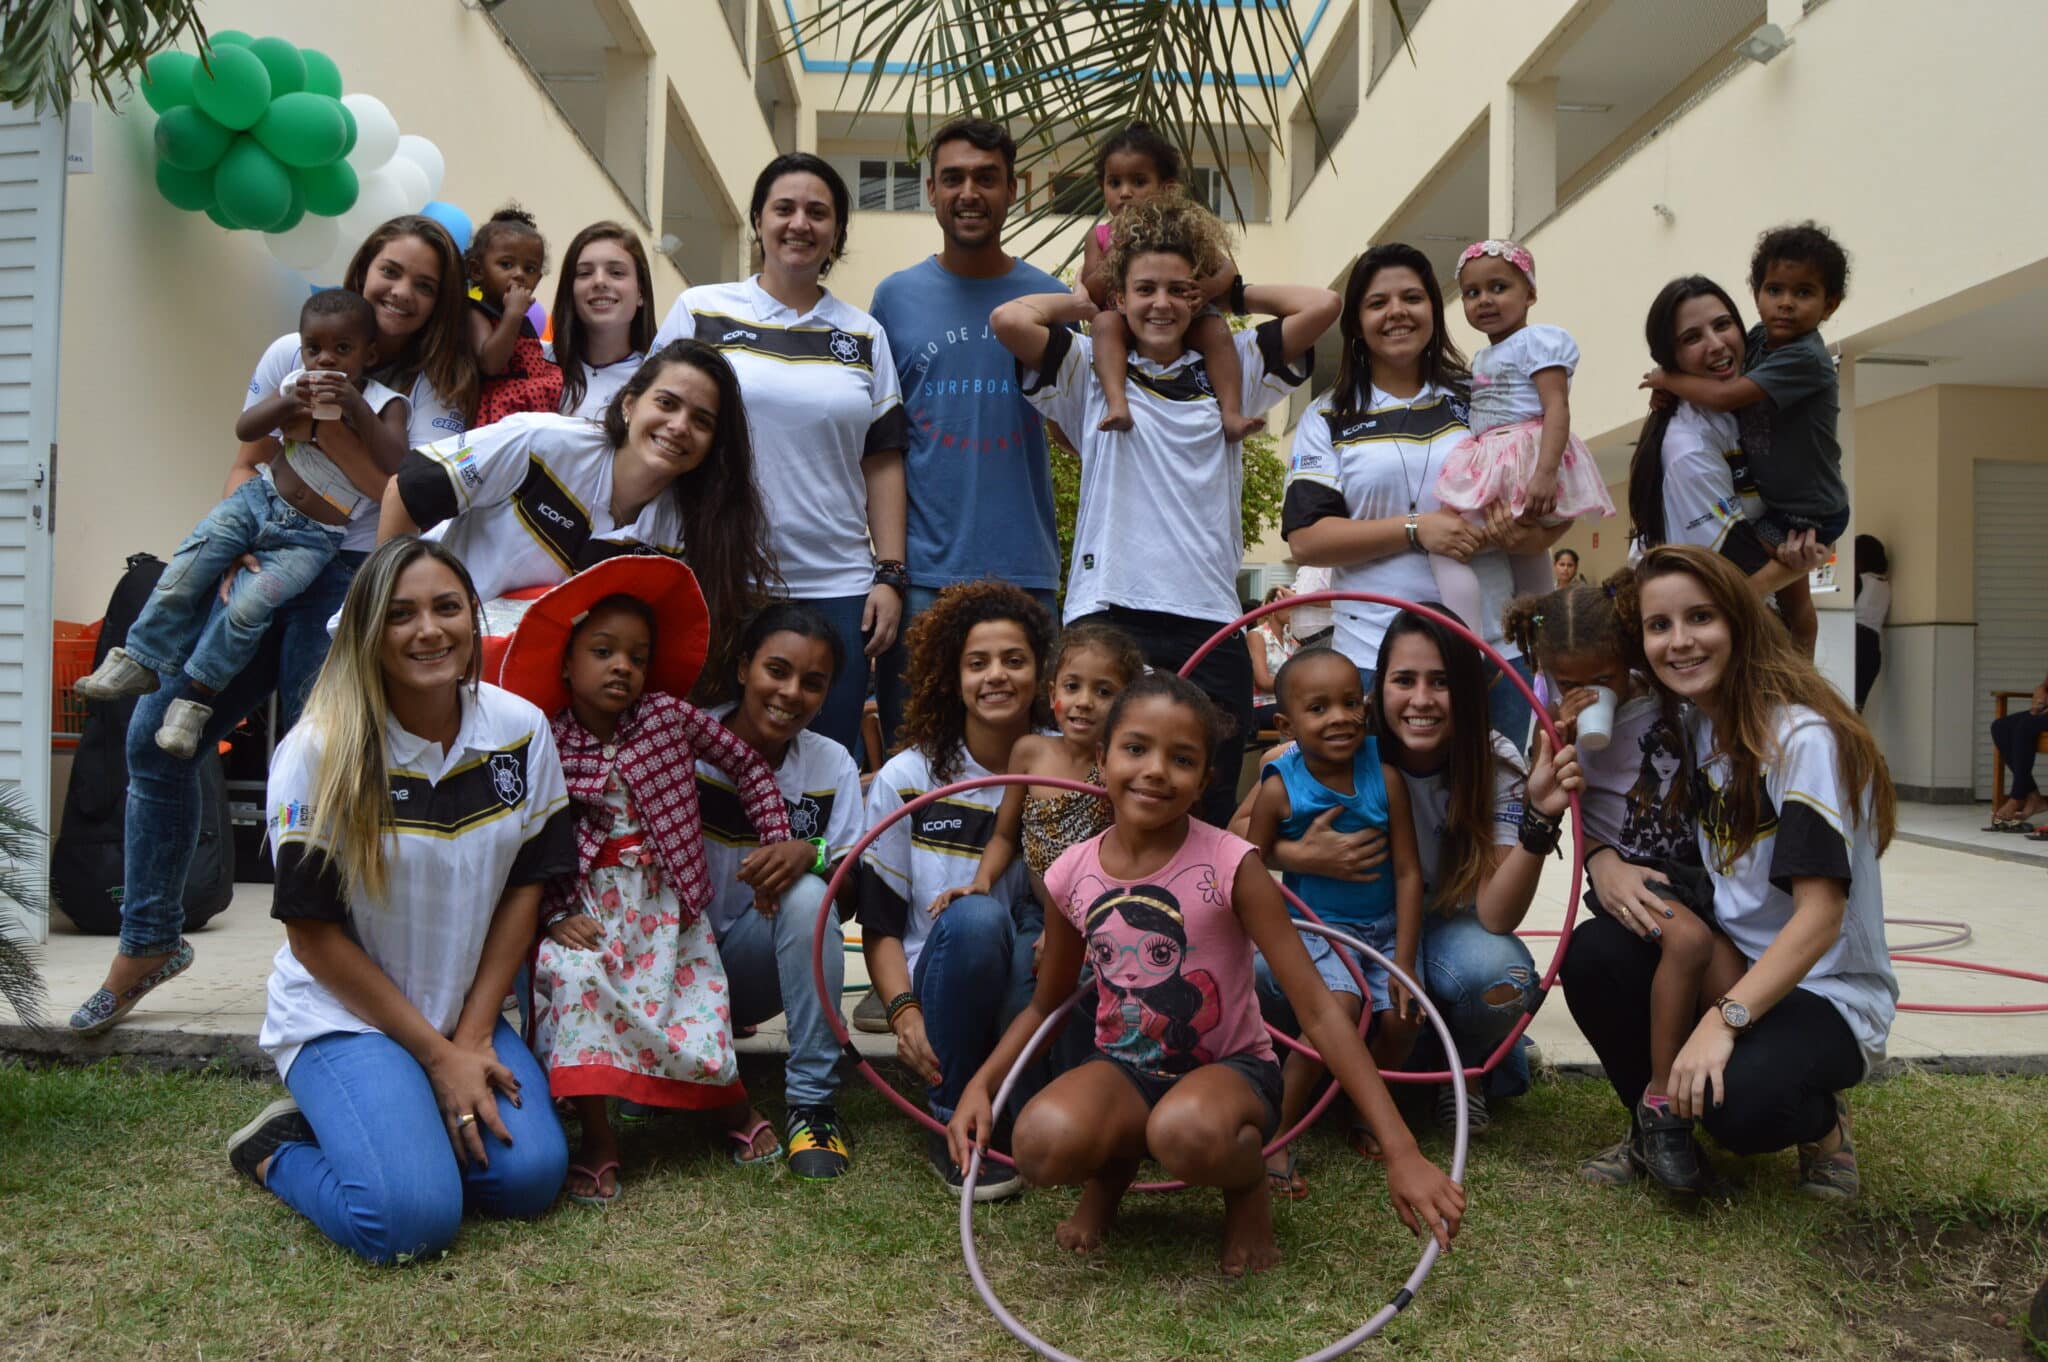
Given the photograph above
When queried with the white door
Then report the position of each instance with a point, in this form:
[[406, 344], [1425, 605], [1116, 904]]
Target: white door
[[2012, 613], [31, 275]]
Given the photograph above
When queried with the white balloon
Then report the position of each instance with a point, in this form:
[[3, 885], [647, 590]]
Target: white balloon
[[411, 180], [381, 196], [424, 154], [331, 270], [305, 246], [376, 132]]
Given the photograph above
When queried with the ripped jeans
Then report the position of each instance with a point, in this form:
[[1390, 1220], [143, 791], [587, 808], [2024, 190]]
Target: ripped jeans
[[1463, 964]]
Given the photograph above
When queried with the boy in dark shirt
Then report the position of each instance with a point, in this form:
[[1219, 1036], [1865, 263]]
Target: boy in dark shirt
[[1789, 400]]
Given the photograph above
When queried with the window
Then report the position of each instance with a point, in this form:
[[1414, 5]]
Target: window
[[890, 187], [1077, 196]]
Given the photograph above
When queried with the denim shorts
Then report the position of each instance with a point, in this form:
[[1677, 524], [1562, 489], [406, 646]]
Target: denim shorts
[[1329, 963], [1262, 1073]]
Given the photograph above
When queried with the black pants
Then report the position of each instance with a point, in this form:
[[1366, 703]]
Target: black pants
[[1780, 1083], [1869, 657], [1225, 676], [2017, 737]]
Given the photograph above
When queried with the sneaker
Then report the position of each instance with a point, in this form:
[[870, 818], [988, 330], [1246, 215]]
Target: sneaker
[[1831, 1177], [116, 678], [1614, 1166], [996, 1182], [871, 1016], [276, 1126], [1477, 1119], [179, 735], [817, 1151], [97, 1014], [1663, 1145]]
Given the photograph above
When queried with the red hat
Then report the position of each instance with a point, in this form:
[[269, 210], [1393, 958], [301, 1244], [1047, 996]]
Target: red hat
[[682, 627]]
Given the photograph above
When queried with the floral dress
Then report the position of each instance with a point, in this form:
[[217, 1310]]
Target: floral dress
[[648, 1015]]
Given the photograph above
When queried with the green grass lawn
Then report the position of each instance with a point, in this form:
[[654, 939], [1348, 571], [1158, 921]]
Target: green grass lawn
[[123, 1234]]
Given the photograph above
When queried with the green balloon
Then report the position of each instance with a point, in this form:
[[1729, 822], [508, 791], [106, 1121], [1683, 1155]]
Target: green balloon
[[189, 140], [287, 68], [167, 80], [229, 37], [236, 91], [323, 77], [295, 214], [222, 219], [191, 190], [330, 189], [252, 186], [303, 129], [348, 143]]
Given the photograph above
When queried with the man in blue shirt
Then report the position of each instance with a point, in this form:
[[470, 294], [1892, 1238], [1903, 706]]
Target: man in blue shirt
[[980, 486]]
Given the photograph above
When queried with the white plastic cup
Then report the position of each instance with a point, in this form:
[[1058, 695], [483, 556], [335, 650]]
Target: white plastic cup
[[322, 411], [1596, 721]]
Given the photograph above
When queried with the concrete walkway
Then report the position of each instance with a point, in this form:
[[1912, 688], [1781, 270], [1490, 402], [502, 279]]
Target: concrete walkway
[[214, 1012]]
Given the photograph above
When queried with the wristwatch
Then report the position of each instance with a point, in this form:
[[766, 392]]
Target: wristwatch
[[1735, 1015]]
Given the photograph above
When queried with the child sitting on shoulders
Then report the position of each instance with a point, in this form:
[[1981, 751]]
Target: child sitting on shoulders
[[1095, 662], [1167, 910], [1335, 764], [1132, 167], [1521, 453], [341, 431], [1789, 399], [506, 259], [630, 998]]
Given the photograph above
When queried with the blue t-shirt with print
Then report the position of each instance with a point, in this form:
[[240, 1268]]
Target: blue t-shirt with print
[[980, 486]]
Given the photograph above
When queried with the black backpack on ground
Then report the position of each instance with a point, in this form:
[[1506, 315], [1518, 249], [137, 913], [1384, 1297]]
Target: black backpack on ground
[[86, 866]]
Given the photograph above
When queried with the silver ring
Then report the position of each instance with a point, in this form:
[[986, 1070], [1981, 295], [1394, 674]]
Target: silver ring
[[467, 1118]]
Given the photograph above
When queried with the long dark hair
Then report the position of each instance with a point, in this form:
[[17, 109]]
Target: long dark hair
[[1443, 364], [802, 163], [441, 348], [725, 526], [1467, 853], [572, 346], [1646, 467]]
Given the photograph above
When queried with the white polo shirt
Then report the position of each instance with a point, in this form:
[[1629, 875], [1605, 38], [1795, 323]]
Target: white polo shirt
[[428, 419], [1810, 826], [920, 857], [1160, 521], [488, 814], [600, 381], [527, 501], [821, 393], [1708, 490], [1382, 464], [821, 786]]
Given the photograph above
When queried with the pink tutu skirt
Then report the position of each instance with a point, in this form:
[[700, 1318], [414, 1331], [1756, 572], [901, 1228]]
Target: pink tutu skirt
[[1483, 469]]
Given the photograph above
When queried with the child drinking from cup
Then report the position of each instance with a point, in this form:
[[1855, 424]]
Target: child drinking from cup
[[341, 430], [506, 259], [1168, 909]]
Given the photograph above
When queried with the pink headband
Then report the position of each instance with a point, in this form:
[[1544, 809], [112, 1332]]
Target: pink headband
[[1513, 252]]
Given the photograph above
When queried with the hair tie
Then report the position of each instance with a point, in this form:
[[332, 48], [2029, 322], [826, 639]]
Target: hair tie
[[1536, 620], [1608, 587]]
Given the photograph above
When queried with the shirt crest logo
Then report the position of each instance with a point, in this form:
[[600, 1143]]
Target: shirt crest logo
[[508, 779], [806, 819], [1201, 376], [844, 347]]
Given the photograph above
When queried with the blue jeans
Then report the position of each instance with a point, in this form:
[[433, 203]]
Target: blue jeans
[[768, 969], [163, 791], [839, 717], [383, 1181], [972, 979], [179, 630], [1462, 962], [1507, 709], [892, 676]]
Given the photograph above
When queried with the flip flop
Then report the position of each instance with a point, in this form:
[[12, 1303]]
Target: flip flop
[[1365, 1144], [2020, 825], [745, 1156], [596, 1176], [1286, 1184]]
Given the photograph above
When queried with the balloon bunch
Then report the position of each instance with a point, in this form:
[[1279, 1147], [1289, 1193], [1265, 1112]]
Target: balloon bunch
[[260, 137]]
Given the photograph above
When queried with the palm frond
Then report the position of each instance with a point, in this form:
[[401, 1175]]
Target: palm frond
[[50, 44], [1062, 75], [22, 848]]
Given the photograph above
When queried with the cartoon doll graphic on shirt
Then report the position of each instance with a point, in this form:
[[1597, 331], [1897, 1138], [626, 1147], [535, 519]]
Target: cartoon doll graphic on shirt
[[1657, 821], [1137, 942]]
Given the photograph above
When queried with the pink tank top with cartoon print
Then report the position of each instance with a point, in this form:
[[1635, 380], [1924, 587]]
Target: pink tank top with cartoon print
[[1173, 967]]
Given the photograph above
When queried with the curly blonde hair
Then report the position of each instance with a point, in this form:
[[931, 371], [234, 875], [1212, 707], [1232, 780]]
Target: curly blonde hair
[[1168, 223]]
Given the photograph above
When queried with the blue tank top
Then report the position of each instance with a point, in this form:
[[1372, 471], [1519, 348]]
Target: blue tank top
[[1357, 902]]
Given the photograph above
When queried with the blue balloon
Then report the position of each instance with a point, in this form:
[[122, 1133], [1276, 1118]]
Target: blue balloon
[[453, 218]]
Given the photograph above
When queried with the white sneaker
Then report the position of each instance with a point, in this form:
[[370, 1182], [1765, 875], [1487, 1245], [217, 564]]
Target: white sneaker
[[116, 678], [179, 735]]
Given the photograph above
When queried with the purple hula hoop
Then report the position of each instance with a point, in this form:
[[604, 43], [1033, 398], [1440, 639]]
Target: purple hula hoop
[[1380, 1318]]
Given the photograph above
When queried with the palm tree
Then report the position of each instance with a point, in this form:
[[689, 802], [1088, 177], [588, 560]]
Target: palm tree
[[48, 44], [21, 860], [1208, 76]]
